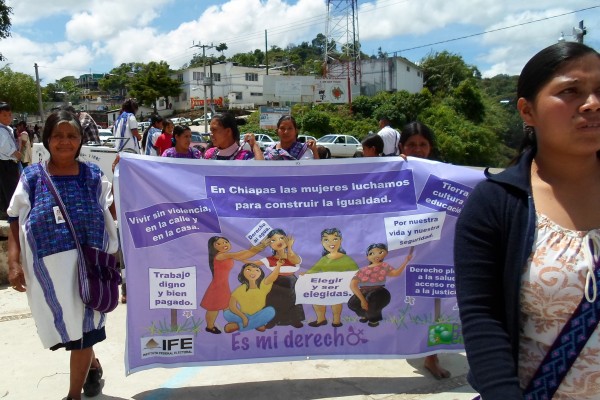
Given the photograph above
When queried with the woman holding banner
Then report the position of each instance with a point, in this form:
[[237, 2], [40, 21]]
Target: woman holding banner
[[288, 147], [225, 137], [417, 140], [527, 242]]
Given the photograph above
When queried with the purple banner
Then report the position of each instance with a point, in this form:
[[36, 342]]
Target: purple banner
[[298, 196], [444, 195], [435, 281], [164, 222], [276, 260]]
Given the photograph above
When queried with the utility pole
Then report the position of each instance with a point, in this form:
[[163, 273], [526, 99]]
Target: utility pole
[[204, 47], [579, 32], [39, 92], [266, 53]]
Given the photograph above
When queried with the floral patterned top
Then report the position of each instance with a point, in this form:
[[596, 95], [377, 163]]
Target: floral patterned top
[[191, 153], [373, 275], [552, 287]]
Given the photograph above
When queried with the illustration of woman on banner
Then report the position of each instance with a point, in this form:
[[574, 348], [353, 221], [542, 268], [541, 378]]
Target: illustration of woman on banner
[[220, 260], [368, 285], [334, 259], [283, 294], [247, 305]]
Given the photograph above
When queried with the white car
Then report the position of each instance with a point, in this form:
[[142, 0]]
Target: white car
[[200, 120], [263, 141], [142, 126], [181, 121], [306, 138], [340, 145], [104, 134]]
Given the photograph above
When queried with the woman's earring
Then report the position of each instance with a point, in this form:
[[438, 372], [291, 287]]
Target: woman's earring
[[529, 131]]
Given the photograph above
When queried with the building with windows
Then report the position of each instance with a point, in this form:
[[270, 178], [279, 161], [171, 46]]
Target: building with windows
[[88, 84], [223, 84], [390, 74], [233, 86]]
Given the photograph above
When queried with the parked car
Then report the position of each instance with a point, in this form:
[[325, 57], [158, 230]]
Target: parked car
[[181, 121], [142, 126], [200, 141], [263, 141], [340, 145], [305, 138], [200, 120], [104, 135]]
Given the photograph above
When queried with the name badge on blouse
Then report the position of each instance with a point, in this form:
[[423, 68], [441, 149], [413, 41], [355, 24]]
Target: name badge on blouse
[[58, 215]]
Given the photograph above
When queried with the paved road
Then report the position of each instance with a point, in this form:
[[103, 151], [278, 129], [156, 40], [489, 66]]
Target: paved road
[[30, 372]]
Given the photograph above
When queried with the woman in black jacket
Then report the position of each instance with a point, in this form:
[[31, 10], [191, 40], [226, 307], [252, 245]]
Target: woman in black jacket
[[528, 238]]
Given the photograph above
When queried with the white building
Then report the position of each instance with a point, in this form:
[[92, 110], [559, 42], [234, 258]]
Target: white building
[[390, 74], [235, 86], [232, 85]]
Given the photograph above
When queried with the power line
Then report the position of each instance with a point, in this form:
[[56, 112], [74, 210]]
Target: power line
[[319, 19], [494, 30]]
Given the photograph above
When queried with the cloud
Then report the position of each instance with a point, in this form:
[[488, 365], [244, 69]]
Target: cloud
[[509, 49], [104, 19], [29, 11], [54, 60], [101, 34], [233, 23]]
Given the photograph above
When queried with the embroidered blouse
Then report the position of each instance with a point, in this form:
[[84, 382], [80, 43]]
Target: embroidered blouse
[[552, 286]]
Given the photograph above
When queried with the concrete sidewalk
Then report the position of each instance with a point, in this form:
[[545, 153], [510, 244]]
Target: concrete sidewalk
[[30, 372]]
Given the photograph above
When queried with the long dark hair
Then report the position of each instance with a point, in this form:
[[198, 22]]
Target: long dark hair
[[154, 119], [374, 141], [274, 232], [130, 105], [212, 252], [178, 131], [227, 120], [245, 281], [291, 119], [418, 128], [59, 117], [331, 231], [538, 71]]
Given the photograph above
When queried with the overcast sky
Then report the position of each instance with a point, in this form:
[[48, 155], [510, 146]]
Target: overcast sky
[[74, 37]]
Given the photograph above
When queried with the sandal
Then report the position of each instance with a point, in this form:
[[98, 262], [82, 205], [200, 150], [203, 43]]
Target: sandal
[[92, 386]]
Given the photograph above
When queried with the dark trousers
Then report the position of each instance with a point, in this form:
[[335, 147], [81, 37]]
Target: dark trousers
[[377, 299], [9, 178]]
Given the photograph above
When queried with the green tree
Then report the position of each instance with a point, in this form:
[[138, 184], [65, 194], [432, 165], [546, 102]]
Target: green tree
[[316, 122], [19, 90], [318, 44], [118, 81], [152, 82], [5, 23], [221, 48], [244, 59], [444, 71], [467, 100], [363, 106], [460, 141], [259, 56]]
